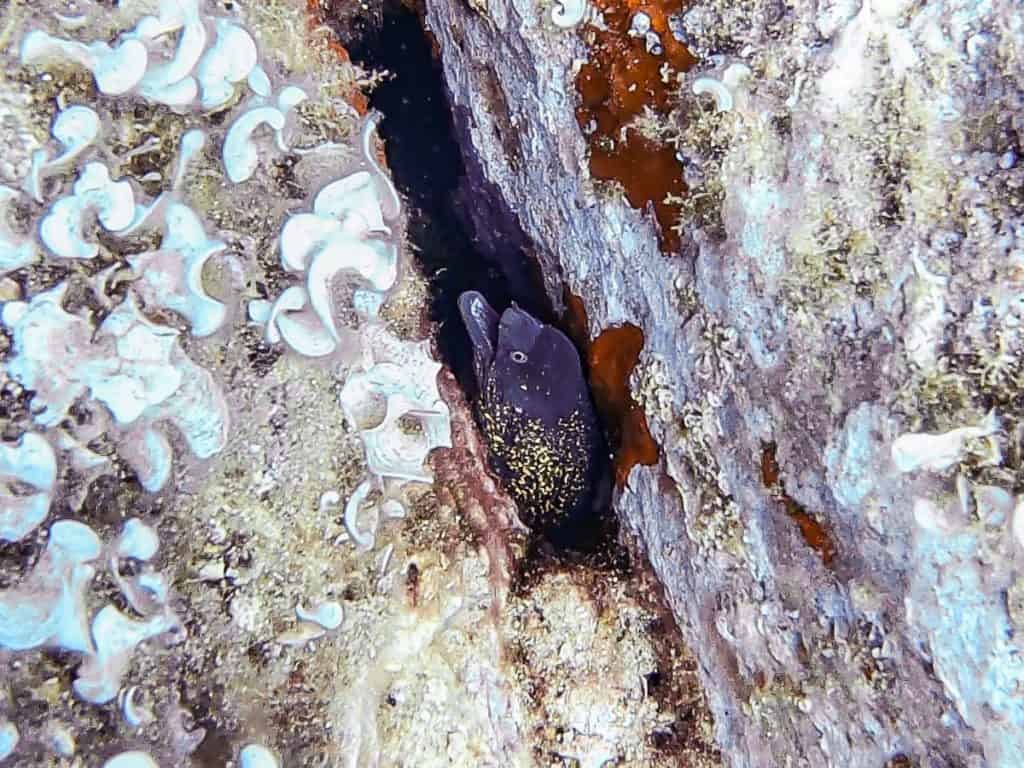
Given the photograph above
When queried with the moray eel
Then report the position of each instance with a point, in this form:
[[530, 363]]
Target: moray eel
[[534, 409]]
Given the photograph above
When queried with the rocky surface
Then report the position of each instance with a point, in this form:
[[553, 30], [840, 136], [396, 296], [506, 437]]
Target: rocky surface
[[842, 557]]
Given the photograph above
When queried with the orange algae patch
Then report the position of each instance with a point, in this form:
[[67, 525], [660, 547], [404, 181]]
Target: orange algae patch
[[620, 79], [611, 358], [315, 13], [814, 533]]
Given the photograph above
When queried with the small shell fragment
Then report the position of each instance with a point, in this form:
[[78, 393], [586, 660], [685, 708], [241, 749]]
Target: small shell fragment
[[328, 615], [133, 759], [8, 739], [257, 756]]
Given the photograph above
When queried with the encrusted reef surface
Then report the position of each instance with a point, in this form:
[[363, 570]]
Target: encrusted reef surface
[[244, 516], [832, 346]]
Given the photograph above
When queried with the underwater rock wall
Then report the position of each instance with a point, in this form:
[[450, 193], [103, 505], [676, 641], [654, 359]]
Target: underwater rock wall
[[832, 348], [244, 513]]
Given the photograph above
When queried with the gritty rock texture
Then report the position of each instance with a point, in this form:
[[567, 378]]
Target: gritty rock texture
[[842, 556]]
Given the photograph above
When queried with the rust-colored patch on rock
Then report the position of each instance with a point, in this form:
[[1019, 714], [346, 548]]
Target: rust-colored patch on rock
[[317, 21], [610, 359], [814, 533], [620, 80]]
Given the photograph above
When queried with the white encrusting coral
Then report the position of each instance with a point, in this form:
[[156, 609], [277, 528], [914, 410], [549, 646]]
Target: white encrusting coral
[[75, 129], [327, 614], [137, 541], [364, 540], [387, 195], [569, 13], [722, 90], [172, 277], [131, 365], [347, 232], [31, 462], [48, 608], [146, 590], [115, 637], [241, 151], [192, 141], [135, 714], [288, 319], [313, 623], [391, 397], [99, 367], [401, 377], [116, 69], [170, 82], [141, 63], [228, 61], [9, 738], [113, 201]]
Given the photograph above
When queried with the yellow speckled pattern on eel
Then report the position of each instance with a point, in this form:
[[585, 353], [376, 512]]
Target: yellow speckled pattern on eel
[[536, 415]]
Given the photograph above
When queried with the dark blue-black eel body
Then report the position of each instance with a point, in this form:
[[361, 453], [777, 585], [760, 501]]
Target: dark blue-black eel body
[[536, 415]]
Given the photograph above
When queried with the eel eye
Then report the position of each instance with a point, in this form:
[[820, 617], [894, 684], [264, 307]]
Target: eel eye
[[518, 357]]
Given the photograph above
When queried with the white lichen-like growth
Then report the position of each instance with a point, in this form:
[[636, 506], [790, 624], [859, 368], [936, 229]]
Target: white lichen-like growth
[[170, 81], [138, 541], [115, 637], [31, 463], [722, 90], [146, 590], [938, 452], [49, 607], [313, 623], [135, 714], [241, 150], [9, 738], [228, 61], [328, 614], [364, 538], [140, 62]]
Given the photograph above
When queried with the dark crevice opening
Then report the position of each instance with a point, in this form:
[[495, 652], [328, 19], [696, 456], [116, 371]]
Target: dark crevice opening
[[427, 165], [464, 235]]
